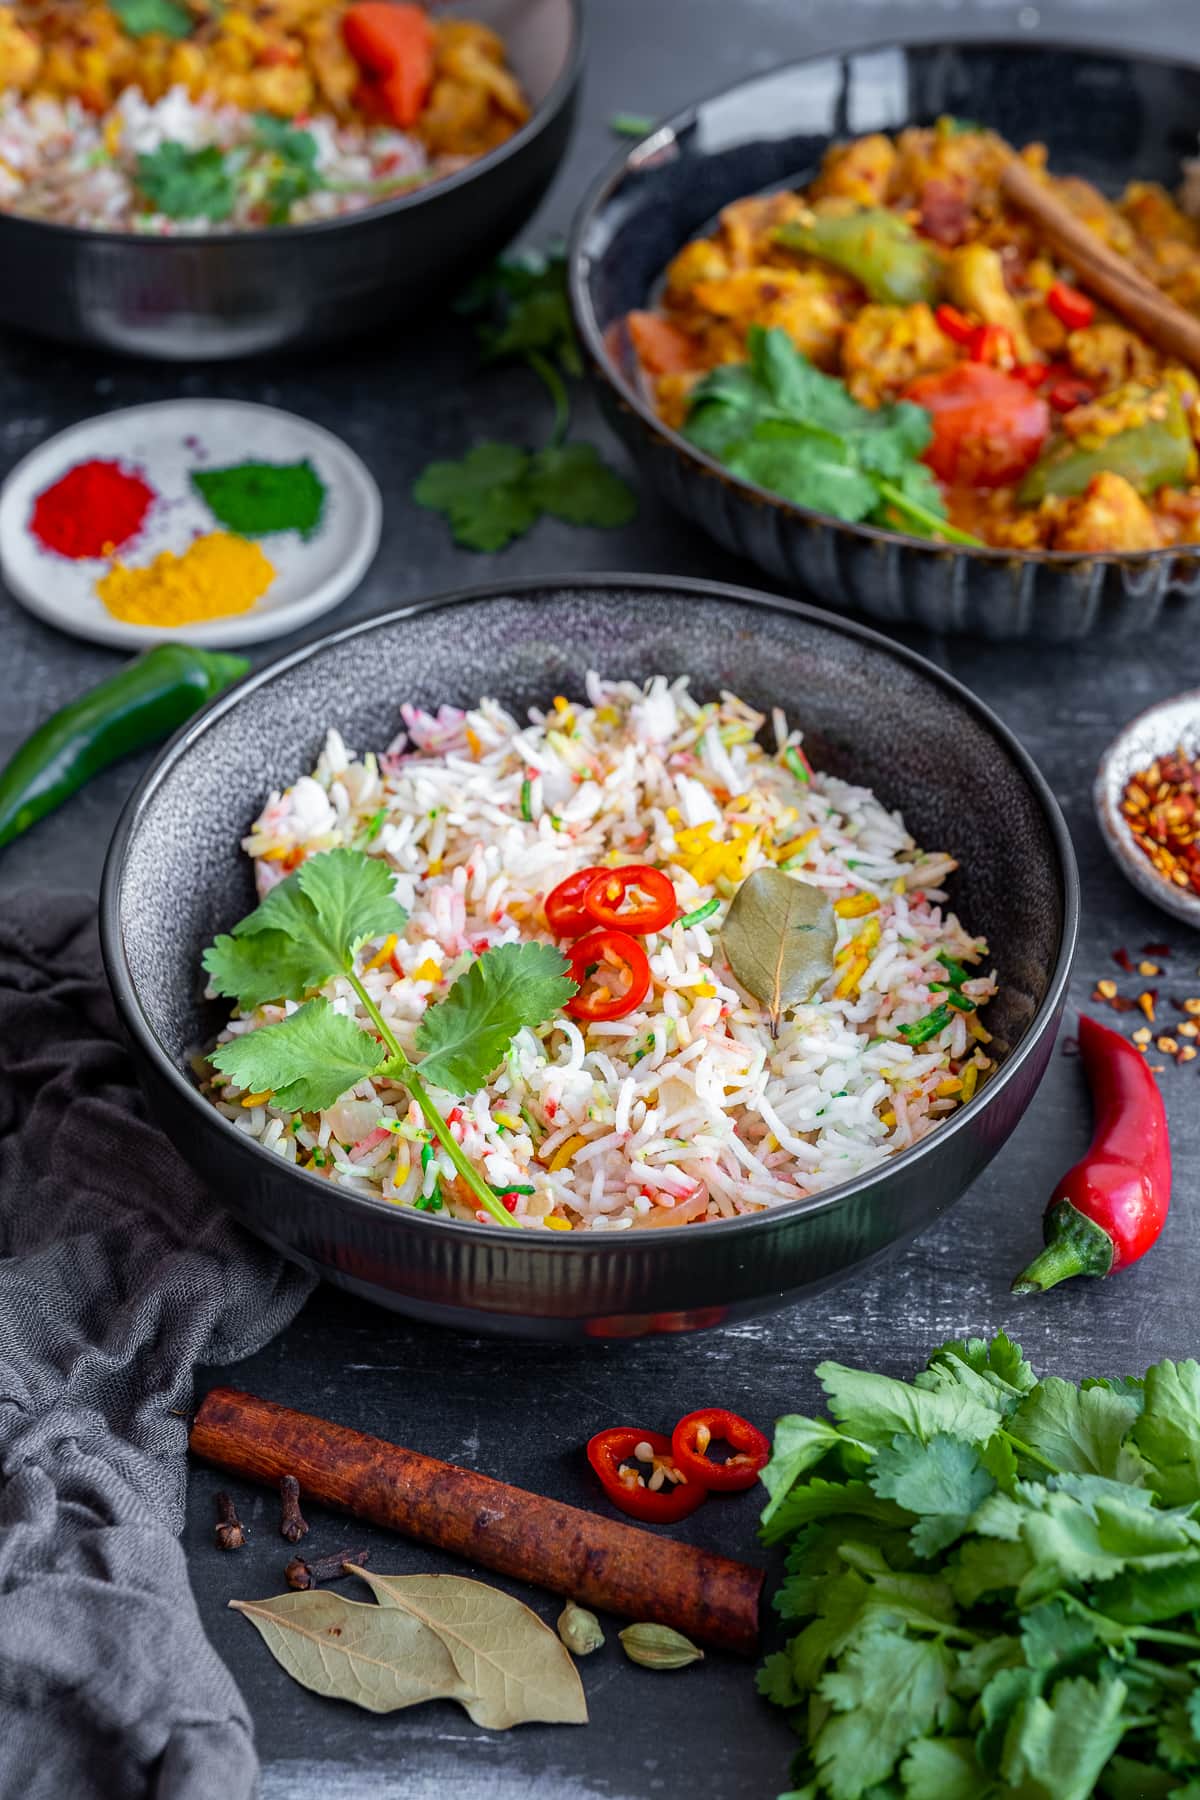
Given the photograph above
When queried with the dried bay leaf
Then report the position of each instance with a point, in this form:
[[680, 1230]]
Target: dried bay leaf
[[371, 1655], [512, 1665], [780, 935]]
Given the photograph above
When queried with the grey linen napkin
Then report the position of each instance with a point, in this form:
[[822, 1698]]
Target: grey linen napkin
[[118, 1274]]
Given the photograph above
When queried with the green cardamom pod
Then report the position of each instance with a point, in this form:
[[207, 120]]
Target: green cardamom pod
[[579, 1629], [658, 1647]]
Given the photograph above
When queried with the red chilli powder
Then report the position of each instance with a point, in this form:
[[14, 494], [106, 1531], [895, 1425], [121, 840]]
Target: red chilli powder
[[92, 510]]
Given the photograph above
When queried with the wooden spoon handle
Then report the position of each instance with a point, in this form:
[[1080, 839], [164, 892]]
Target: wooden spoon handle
[[1101, 270]]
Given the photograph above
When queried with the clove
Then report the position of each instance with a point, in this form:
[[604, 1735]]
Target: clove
[[301, 1574], [229, 1531], [293, 1525]]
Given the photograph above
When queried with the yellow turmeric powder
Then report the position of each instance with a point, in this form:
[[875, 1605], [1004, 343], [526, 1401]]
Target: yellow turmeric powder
[[219, 574]]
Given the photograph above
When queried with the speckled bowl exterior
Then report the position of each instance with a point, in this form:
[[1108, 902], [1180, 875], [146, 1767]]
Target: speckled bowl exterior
[[189, 299], [871, 711], [1158, 731], [1108, 116]]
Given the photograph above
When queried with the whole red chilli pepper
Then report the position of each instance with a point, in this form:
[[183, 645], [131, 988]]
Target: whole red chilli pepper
[[1107, 1211]]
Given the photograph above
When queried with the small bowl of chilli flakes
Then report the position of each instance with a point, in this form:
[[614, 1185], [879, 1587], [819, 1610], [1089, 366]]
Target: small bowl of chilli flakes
[[506, 988], [1147, 800], [900, 340], [182, 178]]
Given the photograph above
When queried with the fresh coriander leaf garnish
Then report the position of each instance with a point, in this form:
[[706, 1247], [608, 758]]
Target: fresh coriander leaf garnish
[[281, 166], [307, 929], [140, 17], [520, 304], [495, 493], [294, 173], [285, 139], [310, 928], [187, 184], [485, 496], [993, 1581], [306, 1062], [254, 970], [781, 423], [464, 1037], [572, 483], [942, 1482], [498, 491]]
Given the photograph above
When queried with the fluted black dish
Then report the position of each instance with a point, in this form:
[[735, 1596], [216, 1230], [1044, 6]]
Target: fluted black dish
[[1109, 116], [871, 711], [186, 299]]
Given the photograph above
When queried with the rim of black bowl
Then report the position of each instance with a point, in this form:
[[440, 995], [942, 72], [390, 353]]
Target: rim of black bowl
[[584, 1243], [542, 115], [625, 162]]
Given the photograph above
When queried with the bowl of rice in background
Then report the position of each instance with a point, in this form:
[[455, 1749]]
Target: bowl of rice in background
[[240, 288], [826, 1153]]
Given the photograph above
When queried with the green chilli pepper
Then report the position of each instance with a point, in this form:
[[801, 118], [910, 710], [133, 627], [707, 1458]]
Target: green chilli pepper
[[881, 251], [921, 1030], [1156, 452], [142, 704]]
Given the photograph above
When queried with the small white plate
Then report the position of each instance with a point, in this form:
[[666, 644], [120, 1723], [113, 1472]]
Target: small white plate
[[165, 442]]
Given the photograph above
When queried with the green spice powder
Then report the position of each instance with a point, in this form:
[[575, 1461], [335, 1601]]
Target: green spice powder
[[255, 498]]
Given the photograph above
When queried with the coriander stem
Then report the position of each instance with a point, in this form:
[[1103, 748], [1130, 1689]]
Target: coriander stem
[[391, 1042], [1036, 1456], [406, 1072], [920, 515], [1152, 1635], [1169, 1677], [543, 367], [386, 185], [453, 1149]]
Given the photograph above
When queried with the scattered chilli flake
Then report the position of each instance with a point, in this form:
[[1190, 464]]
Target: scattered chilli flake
[[686, 1108], [1179, 1044]]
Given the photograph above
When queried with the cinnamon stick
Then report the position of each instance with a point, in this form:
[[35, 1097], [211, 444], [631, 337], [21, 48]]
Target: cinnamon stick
[[582, 1555], [1102, 270]]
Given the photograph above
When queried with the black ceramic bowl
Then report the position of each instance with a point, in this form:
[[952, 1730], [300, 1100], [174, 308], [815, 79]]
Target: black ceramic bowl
[[1108, 116], [185, 299], [871, 711]]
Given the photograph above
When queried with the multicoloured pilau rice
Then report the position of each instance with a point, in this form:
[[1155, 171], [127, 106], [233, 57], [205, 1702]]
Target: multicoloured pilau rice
[[688, 1108], [62, 163]]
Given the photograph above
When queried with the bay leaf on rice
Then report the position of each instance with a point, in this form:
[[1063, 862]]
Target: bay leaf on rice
[[513, 1667], [780, 935], [370, 1655]]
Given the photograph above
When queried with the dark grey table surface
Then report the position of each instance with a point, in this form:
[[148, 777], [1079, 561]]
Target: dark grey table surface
[[522, 1412]]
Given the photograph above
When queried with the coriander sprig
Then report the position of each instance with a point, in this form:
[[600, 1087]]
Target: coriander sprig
[[497, 492], [308, 930], [277, 167], [981, 1570], [782, 423]]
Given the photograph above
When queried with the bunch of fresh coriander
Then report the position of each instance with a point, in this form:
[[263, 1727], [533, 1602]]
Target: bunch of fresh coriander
[[497, 491], [994, 1581]]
